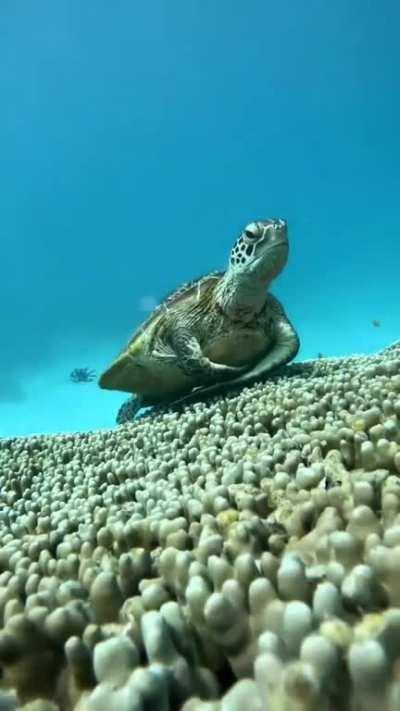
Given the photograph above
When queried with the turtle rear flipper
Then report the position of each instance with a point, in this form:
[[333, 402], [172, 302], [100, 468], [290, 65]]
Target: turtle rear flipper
[[128, 410]]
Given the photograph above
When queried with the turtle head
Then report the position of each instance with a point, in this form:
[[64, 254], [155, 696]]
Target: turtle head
[[261, 251], [257, 257]]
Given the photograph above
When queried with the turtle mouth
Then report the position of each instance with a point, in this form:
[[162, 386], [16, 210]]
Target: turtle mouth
[[281, 242], [274, 224], [271, 254], [276, 231]]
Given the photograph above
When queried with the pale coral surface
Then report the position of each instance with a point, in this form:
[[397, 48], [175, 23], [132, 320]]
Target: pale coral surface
[[241, 554]]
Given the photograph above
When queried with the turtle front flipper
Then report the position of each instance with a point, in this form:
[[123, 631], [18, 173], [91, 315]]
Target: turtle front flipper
[[285, 344], [285, 347], [191, 360]]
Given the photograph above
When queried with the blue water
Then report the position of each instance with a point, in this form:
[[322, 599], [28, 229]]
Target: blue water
[[136, 140]]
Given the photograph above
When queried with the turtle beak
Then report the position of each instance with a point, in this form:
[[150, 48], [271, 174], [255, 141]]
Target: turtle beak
[[276, 230], [279, 229], [278, 224]]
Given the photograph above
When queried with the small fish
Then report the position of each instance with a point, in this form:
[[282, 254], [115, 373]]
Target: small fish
[[375, 322], [82, 375]]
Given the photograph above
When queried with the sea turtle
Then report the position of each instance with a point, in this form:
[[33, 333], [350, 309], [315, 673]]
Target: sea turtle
[[219, 328]]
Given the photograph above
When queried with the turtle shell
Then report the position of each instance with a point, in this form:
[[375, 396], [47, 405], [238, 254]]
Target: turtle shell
[[128, 371], [174, 297]]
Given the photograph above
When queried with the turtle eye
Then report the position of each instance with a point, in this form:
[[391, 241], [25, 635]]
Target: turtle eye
[[250, 235]]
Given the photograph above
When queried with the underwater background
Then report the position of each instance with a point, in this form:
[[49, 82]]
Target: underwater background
[[137, 139]]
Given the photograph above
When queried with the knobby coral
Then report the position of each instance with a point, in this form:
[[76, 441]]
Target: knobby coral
[[240, 554]]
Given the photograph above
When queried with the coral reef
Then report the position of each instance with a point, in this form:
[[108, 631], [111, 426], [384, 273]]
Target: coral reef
[[240, 554]]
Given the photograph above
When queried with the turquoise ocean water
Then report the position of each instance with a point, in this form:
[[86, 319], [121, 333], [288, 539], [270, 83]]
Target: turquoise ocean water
[[137, 139]]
